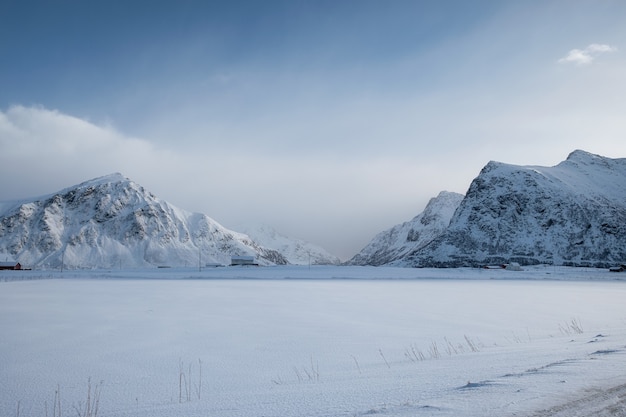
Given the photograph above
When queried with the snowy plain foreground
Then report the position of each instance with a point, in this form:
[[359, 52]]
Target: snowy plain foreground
[[319, 341]]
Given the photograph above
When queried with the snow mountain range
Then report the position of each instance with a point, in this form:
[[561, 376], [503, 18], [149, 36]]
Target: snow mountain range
[[571, 214], [298, 252], [113, 222]]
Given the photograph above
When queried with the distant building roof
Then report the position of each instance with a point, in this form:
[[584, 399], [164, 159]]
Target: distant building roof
[[242, 260], [10, 265]]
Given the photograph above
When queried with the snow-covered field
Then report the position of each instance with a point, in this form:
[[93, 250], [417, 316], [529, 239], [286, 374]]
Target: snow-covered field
[[320, 341]]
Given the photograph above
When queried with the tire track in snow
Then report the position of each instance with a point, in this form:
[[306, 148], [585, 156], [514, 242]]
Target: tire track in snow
[[594, 403]]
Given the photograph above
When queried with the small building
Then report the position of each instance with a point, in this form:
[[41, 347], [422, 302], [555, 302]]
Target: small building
[[242, 261], [12, 266]]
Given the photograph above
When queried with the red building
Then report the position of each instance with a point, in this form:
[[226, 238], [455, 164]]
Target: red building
[[14, 266]]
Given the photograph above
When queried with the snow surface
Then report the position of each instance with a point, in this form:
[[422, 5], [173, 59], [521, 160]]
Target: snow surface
[[319, 341]]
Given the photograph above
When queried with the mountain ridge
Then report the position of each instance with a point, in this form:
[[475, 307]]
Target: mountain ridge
[[111, 221], [393, 244], [569, 214]]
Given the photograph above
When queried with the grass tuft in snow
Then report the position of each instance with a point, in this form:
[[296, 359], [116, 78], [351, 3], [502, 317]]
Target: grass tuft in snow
[[356, 362], [185, 391], [312, 373], [571, 327], [515, 338], [56, 405], [472, 345], [385, 359], [414, 354], [433, 350], [450, 348], [92, 403]]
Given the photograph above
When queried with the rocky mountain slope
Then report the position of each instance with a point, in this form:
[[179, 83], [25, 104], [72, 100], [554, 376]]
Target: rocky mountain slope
[[113, 222], [396, 243], [571, 214]]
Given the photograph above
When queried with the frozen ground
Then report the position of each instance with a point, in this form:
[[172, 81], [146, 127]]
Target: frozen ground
[[372, 341]]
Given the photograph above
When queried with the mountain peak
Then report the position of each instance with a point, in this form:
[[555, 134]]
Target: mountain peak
[[584, 157], [113, 178], [109, 221], [392, 245], [569, 214]]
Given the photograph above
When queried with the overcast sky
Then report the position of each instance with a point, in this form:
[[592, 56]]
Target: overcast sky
[[327, 120]]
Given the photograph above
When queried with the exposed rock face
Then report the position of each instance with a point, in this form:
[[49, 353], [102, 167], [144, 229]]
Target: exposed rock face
[[113, 222], [393, 245], [571, 214]]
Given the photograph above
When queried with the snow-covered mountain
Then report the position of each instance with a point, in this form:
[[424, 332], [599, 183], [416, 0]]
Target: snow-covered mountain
[[396, 243], [571, 214], [296, 251], [113, 222]]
